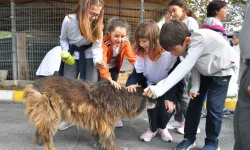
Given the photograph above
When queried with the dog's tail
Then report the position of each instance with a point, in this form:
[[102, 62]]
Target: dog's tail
[[42, 111]]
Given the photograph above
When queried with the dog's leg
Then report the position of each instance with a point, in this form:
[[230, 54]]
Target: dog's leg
[[109, 142], [37, 138], [94, 140], [47, 133]]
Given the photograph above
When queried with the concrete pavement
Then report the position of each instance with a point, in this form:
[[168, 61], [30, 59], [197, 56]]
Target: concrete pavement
[[17, 133]]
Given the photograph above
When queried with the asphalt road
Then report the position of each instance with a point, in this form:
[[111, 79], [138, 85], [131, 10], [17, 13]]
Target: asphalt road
[[17, 133]]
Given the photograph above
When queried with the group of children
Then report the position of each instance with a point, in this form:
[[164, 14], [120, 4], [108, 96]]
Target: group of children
[[164, 61]]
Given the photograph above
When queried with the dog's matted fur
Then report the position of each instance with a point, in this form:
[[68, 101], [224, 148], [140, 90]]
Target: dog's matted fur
[[95, 107]]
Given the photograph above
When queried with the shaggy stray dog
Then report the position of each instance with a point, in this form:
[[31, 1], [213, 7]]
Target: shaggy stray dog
[[94, 107]]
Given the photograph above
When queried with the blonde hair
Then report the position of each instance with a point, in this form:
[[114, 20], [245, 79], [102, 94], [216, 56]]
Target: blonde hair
[[90, 30]]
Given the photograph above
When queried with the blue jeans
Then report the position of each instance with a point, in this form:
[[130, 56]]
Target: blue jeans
[[216, 89]]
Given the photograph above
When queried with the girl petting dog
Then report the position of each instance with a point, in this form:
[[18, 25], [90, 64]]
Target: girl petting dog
[[151, 56], [81, 35], [115, 47]]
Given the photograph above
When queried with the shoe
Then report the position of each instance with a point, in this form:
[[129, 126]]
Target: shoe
[[227, 113], [175, 124], [185, 145], [119, 124], [181, 130], [209, 147], [148, 135], [64, 125], [165, 135]]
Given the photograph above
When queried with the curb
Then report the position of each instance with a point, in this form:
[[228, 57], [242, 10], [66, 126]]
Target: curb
[[17, 96], [11, 96]]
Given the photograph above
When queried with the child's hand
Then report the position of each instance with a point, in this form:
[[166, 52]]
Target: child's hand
[[193, 95], [148, 92], [169, 106], [132, 88], [167, 16], [100, 65], [115, 84]]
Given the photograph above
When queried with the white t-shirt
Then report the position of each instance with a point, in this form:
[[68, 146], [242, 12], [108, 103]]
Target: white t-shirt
[[155, 71], [116, 52], [50, 63], [191, 23]]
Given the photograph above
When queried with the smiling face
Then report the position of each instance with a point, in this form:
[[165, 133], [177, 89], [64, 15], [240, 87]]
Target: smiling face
[[176, 12], [144, 43], [118, 35]]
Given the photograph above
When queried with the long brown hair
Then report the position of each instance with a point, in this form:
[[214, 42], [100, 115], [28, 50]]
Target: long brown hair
[[90, 30], [149, 30]]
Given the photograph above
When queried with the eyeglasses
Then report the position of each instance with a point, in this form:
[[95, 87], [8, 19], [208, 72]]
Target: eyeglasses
[[93, 14]]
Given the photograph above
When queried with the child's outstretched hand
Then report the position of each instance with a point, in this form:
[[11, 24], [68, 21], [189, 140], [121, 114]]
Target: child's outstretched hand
[[169, 106], [148, 92], [115, 84], [193, 95], [100, 65], [167, 16], [132, 88]]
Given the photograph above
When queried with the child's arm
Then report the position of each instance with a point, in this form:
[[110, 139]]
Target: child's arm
[[195, 51], [104, 72], [64, 35], [136, 78], [195, 76], [97, 53], [128, 52]]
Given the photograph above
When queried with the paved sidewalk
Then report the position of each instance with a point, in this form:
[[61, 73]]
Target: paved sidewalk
[[17, 133]]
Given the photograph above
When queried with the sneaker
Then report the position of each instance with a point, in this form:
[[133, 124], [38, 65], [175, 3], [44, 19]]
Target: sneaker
[[64, 125], [165, 135], [209, 147], [119, 124], [148, 135], [185, 145], [227, 113], [181, 130], [175, 124]]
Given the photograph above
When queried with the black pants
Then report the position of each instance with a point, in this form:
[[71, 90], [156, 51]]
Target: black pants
[[158, 117]]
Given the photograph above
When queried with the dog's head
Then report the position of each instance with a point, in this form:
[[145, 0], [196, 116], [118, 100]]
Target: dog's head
[[150, 103]]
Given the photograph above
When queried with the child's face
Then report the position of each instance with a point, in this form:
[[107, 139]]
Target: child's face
[[118, 35], [222, 13], [94, 12], [144, 43], [176, 11], [179, 50]]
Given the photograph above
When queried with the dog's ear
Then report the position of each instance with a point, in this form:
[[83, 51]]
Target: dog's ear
[[103, 81]]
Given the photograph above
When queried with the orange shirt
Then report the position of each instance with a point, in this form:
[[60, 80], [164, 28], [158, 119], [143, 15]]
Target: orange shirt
[[125, 50]]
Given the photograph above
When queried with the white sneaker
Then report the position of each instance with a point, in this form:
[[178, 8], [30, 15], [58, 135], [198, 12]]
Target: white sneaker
[[165, 135], [148, 135], [175, 124], [181, 130], [119, 124], [64, 125]]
